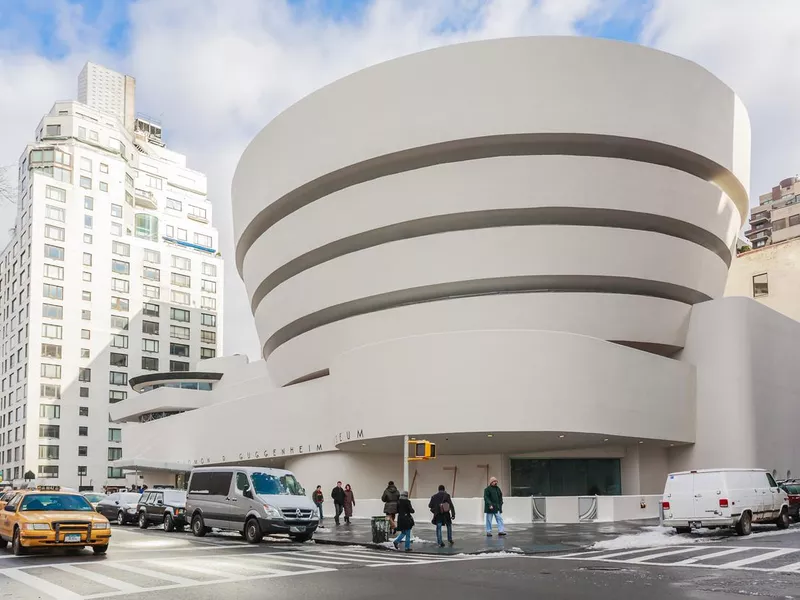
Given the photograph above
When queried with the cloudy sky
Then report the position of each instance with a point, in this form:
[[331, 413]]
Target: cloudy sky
[[216, 71]]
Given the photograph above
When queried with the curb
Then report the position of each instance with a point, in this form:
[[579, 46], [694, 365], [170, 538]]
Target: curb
[[550, 549]]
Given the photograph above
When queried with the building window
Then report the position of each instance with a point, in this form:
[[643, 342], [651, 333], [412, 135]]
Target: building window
[[209, 286], [180, 279], [86, 182], [49, 371], [179, 350], [86, 295], [48, 471], [53, 252], [114, 435], [88, 221], [183, 235], [88, 203], [49, 431], [118, 360], [120, 248], [53, 272], [55, 292], [151, 291], [208, 320], [48, 452], [794, 220], [179, 262], [54, 233], [83, 411], [116, 211], [118, 322], [54, 193], [209, 303], [198, 212], [83, 431], [151, 273], [152, 256], [86, 164], [151, 310], [114, 453], [760, 285], [103, 168], [84, 392], [103, 186], [53, 130], [82, 470], [181, 333], [180, 297], [208, 337], [120, 285], [209, 269], [115, 396], [50, 411], [115, 473], [83, 450], [149, 345], [120, 304], [778, 224], [86, 315], [149, 363], [119, 341], [52, 311], [174, 204], [203, 240], [116, 229], [86, 334], [85, 353], [55, 213], [120, 267], [146, 227], [51, 351], [150, 327], [169, 231], [51, 331], [180, 314], [87, 259], [87, 238], [87, 276], [117, 378], [177, 365], [50, 390], [207, 353]]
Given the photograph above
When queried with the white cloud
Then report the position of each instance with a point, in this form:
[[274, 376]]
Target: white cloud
[[217, 71]]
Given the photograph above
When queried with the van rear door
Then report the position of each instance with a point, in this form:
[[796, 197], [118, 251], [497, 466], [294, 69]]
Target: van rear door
[[678, 491], [709, 487]]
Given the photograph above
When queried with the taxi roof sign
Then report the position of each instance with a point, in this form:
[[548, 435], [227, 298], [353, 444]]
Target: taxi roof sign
[[48, 488]]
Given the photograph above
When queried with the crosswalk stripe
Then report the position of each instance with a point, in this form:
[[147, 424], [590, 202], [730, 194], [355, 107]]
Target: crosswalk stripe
[[695, 559], [398, 555], [649, 557], [355, 558], [42, 585], [197, 569], [148, 572], [792, 568], [628, 552], [755, 559], [242, 563], [312, 561], [116, 584]]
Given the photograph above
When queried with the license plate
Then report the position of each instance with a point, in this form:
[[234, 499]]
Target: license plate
[[72, 537], [297, 529]]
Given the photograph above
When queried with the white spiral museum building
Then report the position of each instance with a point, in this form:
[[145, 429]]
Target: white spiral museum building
[[514, 248]]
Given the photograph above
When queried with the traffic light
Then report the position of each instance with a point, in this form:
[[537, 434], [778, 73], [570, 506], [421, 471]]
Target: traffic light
[[421, 450]]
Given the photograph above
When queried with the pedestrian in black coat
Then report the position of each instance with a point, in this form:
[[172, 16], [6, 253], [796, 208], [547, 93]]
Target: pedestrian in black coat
[[444, 511], [337, 494], [405, 522]]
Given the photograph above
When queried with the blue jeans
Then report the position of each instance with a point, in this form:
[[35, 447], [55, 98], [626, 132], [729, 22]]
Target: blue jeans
[[439, 532], [319, 507], [500, 527], [404, 534]]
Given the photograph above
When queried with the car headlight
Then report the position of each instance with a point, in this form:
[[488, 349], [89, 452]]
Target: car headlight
[[178, 511], [37, 526], [131, 510], [315, 514], [272, 512], [100, 525]]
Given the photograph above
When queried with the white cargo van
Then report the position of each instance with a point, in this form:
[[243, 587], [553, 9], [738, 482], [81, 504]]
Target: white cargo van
[[724, 498]]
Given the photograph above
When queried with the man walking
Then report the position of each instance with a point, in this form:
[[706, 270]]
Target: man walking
[[444, 512], [493, 507], [338, 500], [317, 497], [389, 498]]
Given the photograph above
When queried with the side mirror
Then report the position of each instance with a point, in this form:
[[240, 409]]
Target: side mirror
[[117, 502], [160, 502], [248, 493]]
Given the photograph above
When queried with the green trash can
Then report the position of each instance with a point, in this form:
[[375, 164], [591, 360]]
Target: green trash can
[[380, 530]]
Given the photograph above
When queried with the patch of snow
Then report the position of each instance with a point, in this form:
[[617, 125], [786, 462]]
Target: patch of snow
[[656, 536]]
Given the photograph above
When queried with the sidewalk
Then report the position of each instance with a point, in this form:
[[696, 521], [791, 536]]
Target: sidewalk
[[537, 538]]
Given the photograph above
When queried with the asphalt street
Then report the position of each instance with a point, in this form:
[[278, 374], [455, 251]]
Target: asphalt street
[[156, 565]]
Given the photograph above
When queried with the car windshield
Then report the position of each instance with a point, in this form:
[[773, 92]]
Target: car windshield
[[270, 485], [94, 497], [39, 502], [130, 498]]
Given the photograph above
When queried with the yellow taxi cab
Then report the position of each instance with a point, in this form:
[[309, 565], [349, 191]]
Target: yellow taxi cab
[[47, 517]]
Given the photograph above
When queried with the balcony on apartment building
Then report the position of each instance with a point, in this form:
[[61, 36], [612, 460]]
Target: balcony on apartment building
[[760, 217]]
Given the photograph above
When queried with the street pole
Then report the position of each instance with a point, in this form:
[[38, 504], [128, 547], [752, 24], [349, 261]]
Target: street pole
[[405, 463]]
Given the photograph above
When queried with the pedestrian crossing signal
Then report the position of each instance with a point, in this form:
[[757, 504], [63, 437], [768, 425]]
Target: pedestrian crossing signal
[[421, 450]]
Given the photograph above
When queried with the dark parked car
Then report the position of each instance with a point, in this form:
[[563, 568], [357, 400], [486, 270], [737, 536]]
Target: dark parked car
[[792, 488], [120, 507], [162, 507]]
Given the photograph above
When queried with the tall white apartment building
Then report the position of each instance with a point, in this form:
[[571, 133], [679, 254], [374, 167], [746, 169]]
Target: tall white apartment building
[[112, 272]]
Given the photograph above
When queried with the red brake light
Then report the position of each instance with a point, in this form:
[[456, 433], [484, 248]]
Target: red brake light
[[665, 504], [723, 503]]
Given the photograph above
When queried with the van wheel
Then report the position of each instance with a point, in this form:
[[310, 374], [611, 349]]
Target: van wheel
[[252, 531], [683, 530], [169, 524], [745, 524], [198, 526], [142, 520], [783, 519]]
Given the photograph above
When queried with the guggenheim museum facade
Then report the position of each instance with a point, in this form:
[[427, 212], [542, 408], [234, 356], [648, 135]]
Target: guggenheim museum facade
[[514, 248]]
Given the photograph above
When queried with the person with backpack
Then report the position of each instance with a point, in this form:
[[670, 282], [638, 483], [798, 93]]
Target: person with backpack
[[389, 498], [405, 522], [444, 512], [318, 498], [493, 507]]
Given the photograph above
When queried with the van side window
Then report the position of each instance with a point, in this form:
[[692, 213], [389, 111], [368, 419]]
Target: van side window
[[771, 481], [242, 484], [220, 483], [200, 483]]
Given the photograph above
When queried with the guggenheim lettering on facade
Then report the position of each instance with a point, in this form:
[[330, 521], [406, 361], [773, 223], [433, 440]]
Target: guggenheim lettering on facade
[[516, 249]]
